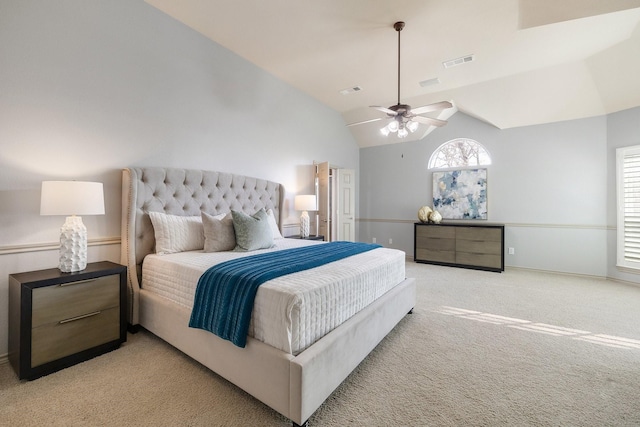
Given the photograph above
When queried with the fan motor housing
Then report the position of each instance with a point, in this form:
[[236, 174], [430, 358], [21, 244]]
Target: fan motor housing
[[400, 109]]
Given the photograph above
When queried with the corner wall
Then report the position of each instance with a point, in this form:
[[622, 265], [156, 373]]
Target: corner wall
[[546, 183]]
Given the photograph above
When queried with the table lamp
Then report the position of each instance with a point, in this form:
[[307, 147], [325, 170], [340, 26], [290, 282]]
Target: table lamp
[[72, 198], [305, 203]]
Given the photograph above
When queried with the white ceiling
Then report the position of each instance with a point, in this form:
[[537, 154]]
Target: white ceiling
[[536, 61]]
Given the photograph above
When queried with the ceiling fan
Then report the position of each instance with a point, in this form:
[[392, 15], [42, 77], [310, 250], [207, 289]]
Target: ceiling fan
[[404, 118]]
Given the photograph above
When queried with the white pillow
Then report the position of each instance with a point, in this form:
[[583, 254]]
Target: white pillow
[[274, 225], [175, 233], [218, 232]]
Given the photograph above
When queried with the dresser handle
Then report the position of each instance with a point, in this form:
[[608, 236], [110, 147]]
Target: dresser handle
[[79, 282], [73, 319]]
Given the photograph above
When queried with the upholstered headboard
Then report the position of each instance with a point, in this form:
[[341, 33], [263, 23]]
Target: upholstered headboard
[[182, 192]]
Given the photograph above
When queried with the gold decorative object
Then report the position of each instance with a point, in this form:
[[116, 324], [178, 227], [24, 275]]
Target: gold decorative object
[[435, 217], [423, 213]]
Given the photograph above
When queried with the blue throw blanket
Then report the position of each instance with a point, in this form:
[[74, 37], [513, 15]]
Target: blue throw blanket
[[225, 294]]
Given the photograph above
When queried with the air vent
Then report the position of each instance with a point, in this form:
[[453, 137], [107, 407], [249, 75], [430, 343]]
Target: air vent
[[429, 82], [350, 90], [458, 61]]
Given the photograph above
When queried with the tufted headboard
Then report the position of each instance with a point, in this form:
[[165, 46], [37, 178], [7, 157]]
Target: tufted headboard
[[182, 192]]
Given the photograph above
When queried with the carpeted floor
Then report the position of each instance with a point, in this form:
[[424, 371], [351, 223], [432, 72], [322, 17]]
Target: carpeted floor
[[480, 349]]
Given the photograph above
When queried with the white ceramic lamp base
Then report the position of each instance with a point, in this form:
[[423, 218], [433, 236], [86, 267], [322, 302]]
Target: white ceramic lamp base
[[304, 225], [73, 245]]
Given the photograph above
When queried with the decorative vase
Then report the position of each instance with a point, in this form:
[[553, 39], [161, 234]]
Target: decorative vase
[[73, 245], [304, 225], [423, 213]]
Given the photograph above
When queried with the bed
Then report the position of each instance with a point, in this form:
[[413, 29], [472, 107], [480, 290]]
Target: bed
[[293, 375]]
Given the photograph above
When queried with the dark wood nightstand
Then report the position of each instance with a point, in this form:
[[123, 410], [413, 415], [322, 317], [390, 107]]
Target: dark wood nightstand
[[311, 237], [59, 319]]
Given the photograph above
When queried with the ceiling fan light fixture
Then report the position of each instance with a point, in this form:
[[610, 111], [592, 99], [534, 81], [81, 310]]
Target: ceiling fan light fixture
[[402, 118]]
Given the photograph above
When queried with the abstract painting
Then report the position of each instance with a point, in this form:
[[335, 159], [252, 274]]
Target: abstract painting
[[461, 194]]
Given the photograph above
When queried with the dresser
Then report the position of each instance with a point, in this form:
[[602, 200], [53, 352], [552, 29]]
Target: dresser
[[59, 319], [479, 247]]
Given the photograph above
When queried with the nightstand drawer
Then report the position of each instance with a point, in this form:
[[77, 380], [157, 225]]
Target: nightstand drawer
[[52, 304], [58, 319], [72, 335]]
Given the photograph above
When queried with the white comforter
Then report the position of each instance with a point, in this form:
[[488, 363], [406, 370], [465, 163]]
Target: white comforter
[[293, 311]]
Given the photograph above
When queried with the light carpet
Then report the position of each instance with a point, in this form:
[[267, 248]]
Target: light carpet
[[519, 348]]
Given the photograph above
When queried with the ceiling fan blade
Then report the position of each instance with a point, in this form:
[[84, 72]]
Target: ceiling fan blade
[[429, 121], [384, 110], [432, 107], [363, 122]]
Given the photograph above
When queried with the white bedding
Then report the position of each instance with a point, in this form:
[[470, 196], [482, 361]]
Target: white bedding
[[293, 311]]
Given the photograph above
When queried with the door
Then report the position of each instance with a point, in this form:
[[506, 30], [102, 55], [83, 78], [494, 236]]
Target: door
[[346, 205], [324, 214]]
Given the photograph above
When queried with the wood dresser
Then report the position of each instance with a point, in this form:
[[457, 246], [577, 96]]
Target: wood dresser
[[480, 247], [59, 319]]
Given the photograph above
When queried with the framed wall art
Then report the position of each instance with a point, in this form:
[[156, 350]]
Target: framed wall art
[[460, 194]]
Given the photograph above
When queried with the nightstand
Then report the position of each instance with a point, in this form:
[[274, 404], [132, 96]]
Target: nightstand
[[59, 319], [311, 237]]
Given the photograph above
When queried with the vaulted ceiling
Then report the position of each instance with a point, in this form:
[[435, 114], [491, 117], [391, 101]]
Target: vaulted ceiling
[[534, 61]]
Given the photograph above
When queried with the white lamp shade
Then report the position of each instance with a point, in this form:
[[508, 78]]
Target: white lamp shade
[[305, 203], [71, 198]]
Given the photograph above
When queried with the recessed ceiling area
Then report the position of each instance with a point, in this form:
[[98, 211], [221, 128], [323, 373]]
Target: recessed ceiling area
[[534, 61]]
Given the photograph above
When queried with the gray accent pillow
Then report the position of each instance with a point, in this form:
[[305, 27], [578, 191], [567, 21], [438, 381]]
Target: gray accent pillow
[[252, 232], [218, 232]]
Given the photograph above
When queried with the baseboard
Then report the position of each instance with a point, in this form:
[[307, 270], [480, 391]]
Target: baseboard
[[561, 273], [4, 358]]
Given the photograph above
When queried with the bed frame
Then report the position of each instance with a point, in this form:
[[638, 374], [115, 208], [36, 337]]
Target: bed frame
[[295, 386]]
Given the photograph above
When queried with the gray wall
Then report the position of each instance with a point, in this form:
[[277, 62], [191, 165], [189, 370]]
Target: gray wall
[[88, 87], [549, 184]]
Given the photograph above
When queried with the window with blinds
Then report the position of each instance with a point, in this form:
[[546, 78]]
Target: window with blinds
[[628, 187], [459, 152]]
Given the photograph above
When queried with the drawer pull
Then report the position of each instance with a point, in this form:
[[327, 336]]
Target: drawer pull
[[79, 282], [84, 316]]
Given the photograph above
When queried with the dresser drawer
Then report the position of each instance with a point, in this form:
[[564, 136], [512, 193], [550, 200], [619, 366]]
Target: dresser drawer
[[479, 247], [433, 231], [435, 255], [69, 336], [52, 304], [479, 233], [437, 244], [479, 260]]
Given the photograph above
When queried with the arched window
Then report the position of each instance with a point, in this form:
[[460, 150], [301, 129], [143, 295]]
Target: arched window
[[460, 152]]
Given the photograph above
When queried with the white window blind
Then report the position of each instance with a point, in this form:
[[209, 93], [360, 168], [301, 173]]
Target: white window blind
[[628, 183]]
